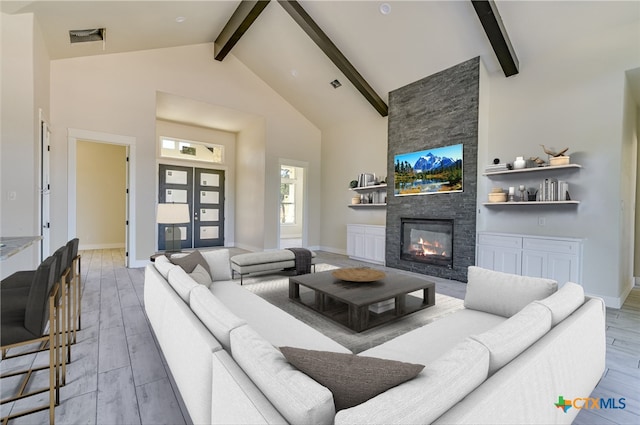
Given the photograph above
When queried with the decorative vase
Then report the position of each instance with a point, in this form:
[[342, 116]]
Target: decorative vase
[[519, 163]]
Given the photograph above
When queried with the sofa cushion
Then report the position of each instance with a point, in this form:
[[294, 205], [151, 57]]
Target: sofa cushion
[[564, 302], [504, 294], [219, 265], [511, 337], [189, 261], [430, 342], [181, 282], [263, 257], [163, 265], [201, 276], [270, 321], [441, 385], [300, 399], [215, 316], [352, 379]]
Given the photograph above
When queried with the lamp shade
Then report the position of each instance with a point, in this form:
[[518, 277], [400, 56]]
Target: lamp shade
[[173, 214]]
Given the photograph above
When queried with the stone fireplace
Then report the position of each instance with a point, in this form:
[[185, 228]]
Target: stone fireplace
[[439, 110], [427, 241]]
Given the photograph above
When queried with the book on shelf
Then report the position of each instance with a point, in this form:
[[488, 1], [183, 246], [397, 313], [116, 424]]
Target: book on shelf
[[552, 190], [492, 168]]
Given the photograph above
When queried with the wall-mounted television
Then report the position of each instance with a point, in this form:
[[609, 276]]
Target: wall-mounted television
[[437, 170]]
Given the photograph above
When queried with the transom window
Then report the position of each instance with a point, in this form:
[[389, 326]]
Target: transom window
[[190, 150]]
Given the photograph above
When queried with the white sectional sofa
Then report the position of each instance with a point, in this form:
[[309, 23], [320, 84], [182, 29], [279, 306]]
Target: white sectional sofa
[[505, 358]]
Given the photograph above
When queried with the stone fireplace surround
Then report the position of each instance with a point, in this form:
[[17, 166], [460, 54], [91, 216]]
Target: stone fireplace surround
[[439, 110]]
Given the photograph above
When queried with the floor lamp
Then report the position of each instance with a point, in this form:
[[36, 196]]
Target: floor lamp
[[173, 214]]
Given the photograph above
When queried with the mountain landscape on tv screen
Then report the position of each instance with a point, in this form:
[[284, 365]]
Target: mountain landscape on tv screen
[[432, 162], [429, 173]]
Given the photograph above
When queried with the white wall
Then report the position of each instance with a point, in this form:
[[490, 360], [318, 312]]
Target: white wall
[[250, 189], [25, 90], [348, 149], [116, 94], [572, 98]]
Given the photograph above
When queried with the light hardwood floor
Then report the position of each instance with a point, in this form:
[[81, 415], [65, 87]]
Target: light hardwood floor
[[118, 376]]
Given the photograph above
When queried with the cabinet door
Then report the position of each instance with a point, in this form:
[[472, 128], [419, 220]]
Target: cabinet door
[[355, 240], [374, 242], [563, 268], [534, 263], [359, 244], [499, 259], [380, 250], [351, 242]]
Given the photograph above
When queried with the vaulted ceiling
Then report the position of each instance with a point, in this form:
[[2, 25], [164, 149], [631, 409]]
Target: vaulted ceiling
[[415, 39]]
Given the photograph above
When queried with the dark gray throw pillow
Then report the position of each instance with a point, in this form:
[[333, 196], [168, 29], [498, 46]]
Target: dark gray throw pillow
[[190, 261], [352, 379]]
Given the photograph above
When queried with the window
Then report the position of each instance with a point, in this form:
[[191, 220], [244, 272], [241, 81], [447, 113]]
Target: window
[[192, 151], [287, 195]]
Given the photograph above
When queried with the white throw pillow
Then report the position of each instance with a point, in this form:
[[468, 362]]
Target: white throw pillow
[[564, 302], [201, 276], [219, 265], [504, 294]]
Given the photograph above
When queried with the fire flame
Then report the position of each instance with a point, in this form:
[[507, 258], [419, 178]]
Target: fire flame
[[431, 248]]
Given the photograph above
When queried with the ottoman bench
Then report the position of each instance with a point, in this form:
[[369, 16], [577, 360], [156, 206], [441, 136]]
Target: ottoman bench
[[254, 262]]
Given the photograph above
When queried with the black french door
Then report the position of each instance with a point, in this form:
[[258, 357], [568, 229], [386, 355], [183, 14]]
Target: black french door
[[203, 190], [208, 219]]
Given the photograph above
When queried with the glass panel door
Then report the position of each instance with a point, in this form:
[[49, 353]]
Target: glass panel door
[[209, 208], [176, 185]]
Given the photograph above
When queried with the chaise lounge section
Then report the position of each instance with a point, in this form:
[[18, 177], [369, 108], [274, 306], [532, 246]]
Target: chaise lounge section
[[266, 261], [517, 337]]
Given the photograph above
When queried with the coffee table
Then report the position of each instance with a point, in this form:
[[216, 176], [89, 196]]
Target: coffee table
[[347, 303]]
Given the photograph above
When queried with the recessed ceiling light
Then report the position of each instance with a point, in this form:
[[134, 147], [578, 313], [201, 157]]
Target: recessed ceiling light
[[294, 72], [335, 84], [180, 19], [385, 8]]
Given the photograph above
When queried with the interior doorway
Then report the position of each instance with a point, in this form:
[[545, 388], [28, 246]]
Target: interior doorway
[[122, 144], [45, 188], [292, 222], [101, 170]]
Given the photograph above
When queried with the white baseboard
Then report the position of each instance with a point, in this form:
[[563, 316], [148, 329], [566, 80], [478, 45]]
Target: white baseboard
[[617, 302], [88, 247], [332, 250]]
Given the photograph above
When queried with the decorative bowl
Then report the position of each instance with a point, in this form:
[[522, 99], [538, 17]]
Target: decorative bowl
[[359, 274]]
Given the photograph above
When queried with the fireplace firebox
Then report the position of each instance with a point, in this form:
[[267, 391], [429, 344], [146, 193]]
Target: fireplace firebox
[[427, 241]]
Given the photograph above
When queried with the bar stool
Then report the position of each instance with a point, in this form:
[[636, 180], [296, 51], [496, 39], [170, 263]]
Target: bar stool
[[74, 281], [20, 282], [24, 321]]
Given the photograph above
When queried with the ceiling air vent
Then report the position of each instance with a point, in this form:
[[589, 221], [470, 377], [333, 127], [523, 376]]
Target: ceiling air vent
[[81, 36]]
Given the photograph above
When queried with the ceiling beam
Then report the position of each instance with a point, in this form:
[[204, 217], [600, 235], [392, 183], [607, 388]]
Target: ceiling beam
[[246, 12], [492, 23], [312, 29]]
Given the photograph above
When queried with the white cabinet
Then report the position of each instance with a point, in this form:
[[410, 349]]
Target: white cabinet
[[537, 256], [366, 242], [499, 253]]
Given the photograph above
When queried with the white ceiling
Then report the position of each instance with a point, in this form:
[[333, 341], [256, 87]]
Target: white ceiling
[[417, 39]]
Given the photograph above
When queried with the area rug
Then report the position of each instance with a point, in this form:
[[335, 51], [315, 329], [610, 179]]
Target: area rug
[[274, 288]]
